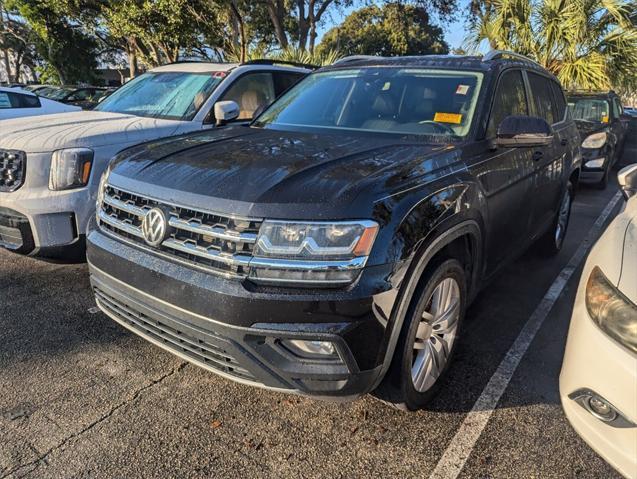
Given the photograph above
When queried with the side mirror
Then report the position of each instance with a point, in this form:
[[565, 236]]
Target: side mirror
[[627, 178], [226, 111], [524, 131]]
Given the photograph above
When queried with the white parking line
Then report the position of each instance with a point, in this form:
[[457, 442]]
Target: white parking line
[[460, 447]]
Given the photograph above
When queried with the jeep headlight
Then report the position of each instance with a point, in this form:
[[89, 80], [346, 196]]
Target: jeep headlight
[[596, 140], [70, 168], [613, 312], [311, 253]]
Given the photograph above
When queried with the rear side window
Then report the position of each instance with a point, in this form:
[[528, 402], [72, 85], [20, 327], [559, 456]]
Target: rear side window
[[560, 101], [18, 100], [543, 98], [284, 80], [510, 99]]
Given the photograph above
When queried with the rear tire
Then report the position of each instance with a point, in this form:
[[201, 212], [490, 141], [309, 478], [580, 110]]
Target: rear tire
[[552, 241], [428, 338]]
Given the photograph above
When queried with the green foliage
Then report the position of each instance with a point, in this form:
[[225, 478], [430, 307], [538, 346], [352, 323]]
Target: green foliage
[[318, 57], [394, 29], [58, 36], [290, 54], [588, 44]]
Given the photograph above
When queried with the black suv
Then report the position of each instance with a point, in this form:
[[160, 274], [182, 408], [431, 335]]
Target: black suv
[[602, 124], [331, 247]]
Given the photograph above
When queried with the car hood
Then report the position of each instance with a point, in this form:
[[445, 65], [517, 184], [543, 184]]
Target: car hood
[[585, 128], [88, 129], [262, 172]]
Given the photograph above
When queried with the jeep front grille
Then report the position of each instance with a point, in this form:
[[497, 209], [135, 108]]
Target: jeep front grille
[[12, 169], [219, 243]]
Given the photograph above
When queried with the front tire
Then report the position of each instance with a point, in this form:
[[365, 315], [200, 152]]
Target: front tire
[[428, 338]]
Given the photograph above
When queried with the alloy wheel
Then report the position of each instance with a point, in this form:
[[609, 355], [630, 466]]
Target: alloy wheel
[[436, 334]]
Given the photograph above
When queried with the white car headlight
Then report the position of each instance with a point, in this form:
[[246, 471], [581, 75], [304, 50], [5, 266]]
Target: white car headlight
[[613, 312], [70, 168], [311, 253], [596, 140]]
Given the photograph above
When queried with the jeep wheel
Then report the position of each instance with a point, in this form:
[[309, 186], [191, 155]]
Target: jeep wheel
[[428, 338], [551, 243]]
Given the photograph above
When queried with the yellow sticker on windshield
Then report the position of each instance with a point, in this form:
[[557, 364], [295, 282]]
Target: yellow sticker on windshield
[[455, 118], [604, 119]]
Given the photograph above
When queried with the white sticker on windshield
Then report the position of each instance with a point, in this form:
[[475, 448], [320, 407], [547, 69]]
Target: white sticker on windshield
[[462, 90]]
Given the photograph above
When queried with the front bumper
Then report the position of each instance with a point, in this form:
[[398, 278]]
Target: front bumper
[[594, 174], [51, 222], [235, 329], [595, 362]]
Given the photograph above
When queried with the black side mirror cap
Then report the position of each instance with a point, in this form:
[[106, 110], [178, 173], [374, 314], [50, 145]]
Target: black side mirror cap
[[627, 178], [524, 131]]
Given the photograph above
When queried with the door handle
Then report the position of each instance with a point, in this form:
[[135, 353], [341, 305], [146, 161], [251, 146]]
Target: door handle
[[563, 142], [537, 155]]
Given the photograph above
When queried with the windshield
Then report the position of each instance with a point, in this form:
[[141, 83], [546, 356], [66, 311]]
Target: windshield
[[387, 100], [167, 95], [589, 109]]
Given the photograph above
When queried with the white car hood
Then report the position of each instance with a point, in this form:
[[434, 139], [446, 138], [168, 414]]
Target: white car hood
[[88, 129]]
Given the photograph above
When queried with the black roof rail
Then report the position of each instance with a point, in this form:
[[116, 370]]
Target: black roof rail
[[495, 54], [353, 58], [273, 61]]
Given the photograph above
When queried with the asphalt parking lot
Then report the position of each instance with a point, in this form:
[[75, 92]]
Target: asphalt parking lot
[[82, 397]]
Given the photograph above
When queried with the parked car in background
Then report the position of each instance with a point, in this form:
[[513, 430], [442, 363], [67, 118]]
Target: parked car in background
[[17, 103], [47, 189], [630, 111], [331, 248], [602, 125], [36, 87], [598, 382], [85, 97]]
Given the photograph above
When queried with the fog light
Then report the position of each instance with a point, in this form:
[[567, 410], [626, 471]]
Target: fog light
[[600, 408], [597, 163], [310, 349]]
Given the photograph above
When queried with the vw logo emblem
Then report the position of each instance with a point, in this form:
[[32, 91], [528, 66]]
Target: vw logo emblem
[[155, 227]]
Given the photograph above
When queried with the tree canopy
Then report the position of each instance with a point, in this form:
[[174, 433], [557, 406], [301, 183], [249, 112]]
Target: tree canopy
[[590, 44], [393, 29]]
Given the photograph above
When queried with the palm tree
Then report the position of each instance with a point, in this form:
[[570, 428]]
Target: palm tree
[[588, 44]]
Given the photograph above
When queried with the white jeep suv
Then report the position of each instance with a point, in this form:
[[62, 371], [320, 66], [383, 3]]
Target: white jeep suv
[[50, 166]]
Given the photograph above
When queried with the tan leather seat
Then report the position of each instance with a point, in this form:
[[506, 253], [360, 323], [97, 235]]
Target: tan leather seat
[[250, 101]]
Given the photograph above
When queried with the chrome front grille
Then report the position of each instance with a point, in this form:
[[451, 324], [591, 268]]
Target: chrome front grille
[[12, 169], [220, 243]]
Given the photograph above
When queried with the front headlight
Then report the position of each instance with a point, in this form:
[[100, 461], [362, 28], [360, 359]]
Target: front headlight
[[70, 168], [596, 140], [311, 253], [613, 312]]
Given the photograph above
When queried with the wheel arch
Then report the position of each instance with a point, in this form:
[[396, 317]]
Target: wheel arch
[[439, 240]]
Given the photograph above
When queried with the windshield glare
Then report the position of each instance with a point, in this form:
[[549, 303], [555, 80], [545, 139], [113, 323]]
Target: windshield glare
[[166, 95], [387, 100], [589, 109]]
